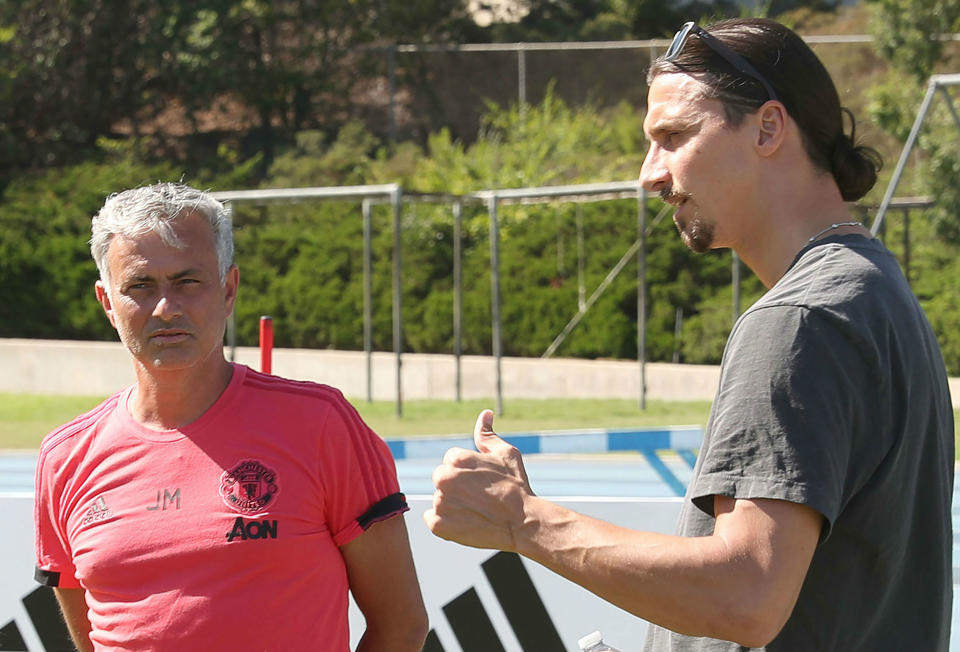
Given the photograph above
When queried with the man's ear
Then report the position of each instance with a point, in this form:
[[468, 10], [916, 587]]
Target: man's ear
[[103, 296], [772, 127], [231, 283]]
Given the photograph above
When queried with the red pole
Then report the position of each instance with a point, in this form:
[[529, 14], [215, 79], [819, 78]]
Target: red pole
[[266, 343]]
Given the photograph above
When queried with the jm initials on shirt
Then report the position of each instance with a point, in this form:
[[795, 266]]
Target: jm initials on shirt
[[168, 499]]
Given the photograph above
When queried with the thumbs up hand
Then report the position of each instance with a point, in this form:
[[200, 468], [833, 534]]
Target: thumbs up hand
[[481, 497], [483, 431]]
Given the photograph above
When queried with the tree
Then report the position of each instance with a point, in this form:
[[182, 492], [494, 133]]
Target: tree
[[600, 20], [906, 33], [75, 70], [71, 70], [46, 271]]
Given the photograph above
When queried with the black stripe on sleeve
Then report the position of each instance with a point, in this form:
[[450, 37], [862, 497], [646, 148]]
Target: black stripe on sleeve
[[392, 504], [47, 578]]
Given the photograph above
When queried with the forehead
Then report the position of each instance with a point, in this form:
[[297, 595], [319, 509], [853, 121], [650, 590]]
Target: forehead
[[678, 98], [137, 254]]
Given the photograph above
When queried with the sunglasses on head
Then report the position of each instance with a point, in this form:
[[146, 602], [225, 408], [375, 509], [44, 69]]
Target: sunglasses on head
[[731, 57]]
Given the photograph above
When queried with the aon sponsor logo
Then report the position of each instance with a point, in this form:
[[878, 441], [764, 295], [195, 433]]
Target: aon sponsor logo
[[244, 530]]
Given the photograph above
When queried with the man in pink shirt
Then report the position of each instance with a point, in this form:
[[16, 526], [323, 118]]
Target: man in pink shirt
[[208, 504]]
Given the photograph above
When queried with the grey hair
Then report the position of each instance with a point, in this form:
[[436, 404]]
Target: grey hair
[[153, 208]]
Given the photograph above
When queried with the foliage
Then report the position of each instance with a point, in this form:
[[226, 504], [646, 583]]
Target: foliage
[[74, 71], [548, 144], [933, 271], [46, 272], [607, 20], [905, 32], [303, 263]]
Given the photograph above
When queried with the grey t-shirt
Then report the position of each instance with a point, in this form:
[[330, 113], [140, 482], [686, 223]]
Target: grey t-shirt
[[833, 394]]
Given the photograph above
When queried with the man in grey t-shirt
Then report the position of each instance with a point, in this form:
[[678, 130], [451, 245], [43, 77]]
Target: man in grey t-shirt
[[833, 395], [818, 517]]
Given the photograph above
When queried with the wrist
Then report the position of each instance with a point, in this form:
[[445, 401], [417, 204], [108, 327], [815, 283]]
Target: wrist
[[531, 533]]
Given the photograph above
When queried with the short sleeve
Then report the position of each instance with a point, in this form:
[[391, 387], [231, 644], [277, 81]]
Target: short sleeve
[[54, 561], [786, 415], [359, 475]]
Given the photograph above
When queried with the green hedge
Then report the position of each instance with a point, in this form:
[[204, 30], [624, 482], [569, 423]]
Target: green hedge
[[302, 263]]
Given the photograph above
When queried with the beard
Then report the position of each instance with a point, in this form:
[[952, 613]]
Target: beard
[[696, 232]]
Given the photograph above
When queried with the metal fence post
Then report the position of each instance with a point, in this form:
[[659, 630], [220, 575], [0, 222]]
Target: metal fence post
[[396, 198], [457, 292], [495, 297], [522, 79], [368, 295]]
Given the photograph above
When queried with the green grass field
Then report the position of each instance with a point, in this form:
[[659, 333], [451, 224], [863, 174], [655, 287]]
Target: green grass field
[[26, 418]]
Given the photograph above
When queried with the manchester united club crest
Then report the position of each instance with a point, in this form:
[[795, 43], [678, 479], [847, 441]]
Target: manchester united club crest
[[248, 487]]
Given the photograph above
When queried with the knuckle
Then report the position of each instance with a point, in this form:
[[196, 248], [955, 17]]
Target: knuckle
[[440, 474], [454, 456], [431, 519]]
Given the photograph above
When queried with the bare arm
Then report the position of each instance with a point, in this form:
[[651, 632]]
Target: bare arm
[[73, 605], [738, 584], [384, 584]]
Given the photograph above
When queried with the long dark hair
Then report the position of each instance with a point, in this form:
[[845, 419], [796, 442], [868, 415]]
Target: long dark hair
[[801, 82]]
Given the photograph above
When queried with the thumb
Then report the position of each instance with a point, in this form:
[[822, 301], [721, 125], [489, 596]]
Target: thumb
[[483, 434]]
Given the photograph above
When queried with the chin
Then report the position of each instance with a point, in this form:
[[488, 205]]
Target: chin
[[172, 358], [165, 364], [697, 234], [697, 245]]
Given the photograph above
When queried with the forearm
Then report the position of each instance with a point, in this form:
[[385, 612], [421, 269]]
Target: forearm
[[73, 608], [738, 584], [696, 586], [396, 640], [81, 640], [384, 584]]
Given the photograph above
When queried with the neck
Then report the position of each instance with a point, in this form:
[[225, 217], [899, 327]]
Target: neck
[[795, 211], [167, 400]]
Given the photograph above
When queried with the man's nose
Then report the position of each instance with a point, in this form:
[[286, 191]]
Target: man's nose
[[654, 175], [167, 306]]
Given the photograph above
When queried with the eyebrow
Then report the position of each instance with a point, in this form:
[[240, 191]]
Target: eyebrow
[[140, 278], [187, 272], [667, 125]]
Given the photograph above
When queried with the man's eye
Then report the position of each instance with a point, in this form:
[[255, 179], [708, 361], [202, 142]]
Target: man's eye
[[672, 139]]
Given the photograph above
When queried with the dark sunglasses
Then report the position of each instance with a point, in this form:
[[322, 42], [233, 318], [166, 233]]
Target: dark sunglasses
[[734, 59]]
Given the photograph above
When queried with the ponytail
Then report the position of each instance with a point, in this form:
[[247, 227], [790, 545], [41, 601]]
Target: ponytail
[[854, 166]]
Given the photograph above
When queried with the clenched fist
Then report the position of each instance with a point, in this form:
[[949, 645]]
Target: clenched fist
[[481, 497]]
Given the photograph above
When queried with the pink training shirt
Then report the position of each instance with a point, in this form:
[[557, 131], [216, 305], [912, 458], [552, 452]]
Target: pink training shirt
[[223, 533]]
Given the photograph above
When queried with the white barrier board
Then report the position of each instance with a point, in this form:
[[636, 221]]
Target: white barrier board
[[471, 595]]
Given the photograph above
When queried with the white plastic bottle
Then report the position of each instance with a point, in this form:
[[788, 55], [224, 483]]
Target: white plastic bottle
[[594, 643]]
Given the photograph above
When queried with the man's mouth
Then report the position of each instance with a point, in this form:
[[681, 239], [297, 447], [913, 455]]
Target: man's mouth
[[169, 336], [678, 202]]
